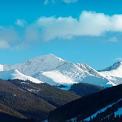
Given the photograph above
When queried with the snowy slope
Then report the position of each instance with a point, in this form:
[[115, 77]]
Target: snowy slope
[[15, 74], [113, 73], [89, 69], [69, 73], [58, 77]]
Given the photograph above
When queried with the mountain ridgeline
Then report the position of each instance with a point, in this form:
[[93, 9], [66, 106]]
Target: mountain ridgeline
[[58, 72]]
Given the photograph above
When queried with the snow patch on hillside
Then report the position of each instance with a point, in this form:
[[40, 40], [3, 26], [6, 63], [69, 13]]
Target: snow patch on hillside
[[58, 77], [15, 74]]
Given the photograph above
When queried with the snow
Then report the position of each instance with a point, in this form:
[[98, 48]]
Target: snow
[[81, 75], [118, 112], [15, 74], [33, 90], [89, 69], [102, 110], [58, 77], [113, 73], [69, 73]]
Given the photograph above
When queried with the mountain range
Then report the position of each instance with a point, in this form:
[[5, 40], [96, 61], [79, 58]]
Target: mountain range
[[58, 72]]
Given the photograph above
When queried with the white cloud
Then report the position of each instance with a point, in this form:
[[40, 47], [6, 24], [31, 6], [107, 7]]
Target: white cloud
[[51, 28], [57, 27], [88, 24]]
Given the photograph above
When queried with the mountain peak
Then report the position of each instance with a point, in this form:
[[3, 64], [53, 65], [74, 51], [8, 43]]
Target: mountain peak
[[115, 66], [38, 64], [48, 57]]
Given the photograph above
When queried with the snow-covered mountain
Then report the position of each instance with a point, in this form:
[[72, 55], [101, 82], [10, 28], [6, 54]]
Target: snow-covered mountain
[[70, 73], [56, 71], [113, 73]]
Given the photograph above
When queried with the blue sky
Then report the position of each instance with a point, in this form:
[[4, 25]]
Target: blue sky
[[86, 31]]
